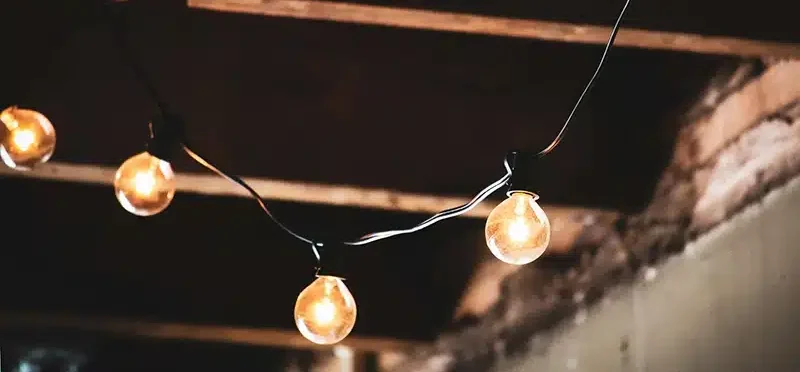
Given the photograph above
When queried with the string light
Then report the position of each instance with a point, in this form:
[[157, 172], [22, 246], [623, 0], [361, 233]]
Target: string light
[[325, 312], [517, 230], [144, 184], [28, 138]]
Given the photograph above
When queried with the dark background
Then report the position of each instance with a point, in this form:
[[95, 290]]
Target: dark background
[[331, 103]]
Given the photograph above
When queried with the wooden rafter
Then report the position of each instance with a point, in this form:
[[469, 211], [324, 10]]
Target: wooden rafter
[[203, 333], [304, 192], [567, 222], [499, 26]]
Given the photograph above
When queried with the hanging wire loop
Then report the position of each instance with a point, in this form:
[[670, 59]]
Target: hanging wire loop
[[118, 30]]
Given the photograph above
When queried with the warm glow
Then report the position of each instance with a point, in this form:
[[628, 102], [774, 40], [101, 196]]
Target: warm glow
[[325, 311], [28, 138], [517, 230], [144, 184], [23, 139]]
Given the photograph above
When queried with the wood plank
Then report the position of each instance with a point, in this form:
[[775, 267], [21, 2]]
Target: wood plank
[[499, 26], [204, 333], [304, 192]]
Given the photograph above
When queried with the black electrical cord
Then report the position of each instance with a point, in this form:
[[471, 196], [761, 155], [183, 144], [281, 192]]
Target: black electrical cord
[[369, 238], [366, 239], [589, 85], [118, 29], [449, 213], [200, 160]]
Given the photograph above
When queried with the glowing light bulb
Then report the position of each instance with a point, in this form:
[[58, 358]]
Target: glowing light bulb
[[325, 311], [28, 139], [517, 230], [144, 184]]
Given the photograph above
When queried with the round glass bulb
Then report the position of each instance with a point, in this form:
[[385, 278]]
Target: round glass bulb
[[517, 230], [325, 311], [144, 184], [28, 138]]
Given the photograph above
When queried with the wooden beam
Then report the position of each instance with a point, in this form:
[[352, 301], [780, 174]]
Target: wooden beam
[[498, 26], [303, 192], [204, 333]]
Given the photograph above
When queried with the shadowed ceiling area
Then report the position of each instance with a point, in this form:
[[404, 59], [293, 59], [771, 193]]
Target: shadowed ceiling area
[[335, 103], [328, 103]]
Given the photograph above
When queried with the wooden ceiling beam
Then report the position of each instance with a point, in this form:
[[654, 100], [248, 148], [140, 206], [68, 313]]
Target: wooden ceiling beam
[[267, 337], [563, 218], [499, 26]]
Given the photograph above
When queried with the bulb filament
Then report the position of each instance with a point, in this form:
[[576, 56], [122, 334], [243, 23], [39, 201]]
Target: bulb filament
[[518, 230], [144, 183], [23, 139], [519, 207], [324, 311]]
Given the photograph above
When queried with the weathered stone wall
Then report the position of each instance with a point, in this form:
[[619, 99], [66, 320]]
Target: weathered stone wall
[[741, 140], [729, 303]]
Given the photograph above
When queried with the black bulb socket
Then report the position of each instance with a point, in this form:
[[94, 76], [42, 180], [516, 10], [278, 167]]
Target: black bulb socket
[[331, 259], [524, 167], [166, 137]]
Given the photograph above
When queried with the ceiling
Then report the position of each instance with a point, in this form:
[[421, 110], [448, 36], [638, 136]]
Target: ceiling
[[328, 103]]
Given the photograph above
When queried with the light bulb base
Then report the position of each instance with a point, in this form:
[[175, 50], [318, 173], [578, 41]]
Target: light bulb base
[[166, 137], [331, 260], [524, 168]]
